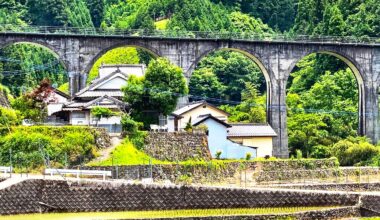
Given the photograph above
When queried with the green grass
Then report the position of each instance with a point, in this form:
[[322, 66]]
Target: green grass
[[126, 154], [161, 214], [64, 88], [161, 25]]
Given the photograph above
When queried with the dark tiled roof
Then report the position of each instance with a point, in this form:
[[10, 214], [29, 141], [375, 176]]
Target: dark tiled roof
[[203, 118]]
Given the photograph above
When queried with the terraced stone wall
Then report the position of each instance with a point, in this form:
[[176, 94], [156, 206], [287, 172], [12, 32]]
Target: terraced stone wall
[[33, 196], [351, 187], [177, 146]]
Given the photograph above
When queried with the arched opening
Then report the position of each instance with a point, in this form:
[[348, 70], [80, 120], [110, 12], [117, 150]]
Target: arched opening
[[234, 80], [23, 65], [108, 73], [119, 54], [325, 96]]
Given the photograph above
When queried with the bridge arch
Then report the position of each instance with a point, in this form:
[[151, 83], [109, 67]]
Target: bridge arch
[[252, 56], [44, 45], [358, 74], [152, 51]]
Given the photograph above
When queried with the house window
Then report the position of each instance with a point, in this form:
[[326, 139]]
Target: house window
[[162, 120], [78, 115]]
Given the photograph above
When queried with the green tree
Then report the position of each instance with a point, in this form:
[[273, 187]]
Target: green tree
[[27, 65], [205, 83], [12, 14], [101, 112], [251, 109], [333, 23], [33, 104], [96, 8], [307, 131], [165, 83], [278, 14], [158, 91], [232, 69], [72, 13]]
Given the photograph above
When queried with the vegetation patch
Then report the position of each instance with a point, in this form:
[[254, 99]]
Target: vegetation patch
[[161, 25], [37, 146], [126, 154]]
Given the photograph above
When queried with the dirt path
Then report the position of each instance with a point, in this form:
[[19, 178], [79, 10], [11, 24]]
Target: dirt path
[[106, 152]]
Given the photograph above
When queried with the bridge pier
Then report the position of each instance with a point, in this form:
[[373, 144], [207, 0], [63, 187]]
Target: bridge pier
[[278, 118], [371, 115], [74, 79]]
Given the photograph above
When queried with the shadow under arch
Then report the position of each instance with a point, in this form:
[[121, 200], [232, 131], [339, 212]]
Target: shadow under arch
[[252, 57], [153, 52], [358, 76], [46, 47]]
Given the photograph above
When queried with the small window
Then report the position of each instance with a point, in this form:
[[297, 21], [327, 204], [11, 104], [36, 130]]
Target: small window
[[78, 115]]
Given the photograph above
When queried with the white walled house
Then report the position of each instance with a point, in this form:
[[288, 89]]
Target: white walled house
[[179, 118], [234, 140], [56, 100], [104, 91]]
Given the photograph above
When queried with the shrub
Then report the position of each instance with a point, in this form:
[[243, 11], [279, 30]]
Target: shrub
[[189, 126], [218, 154], [298, 154], [33, 146], [355, 151], [78, 146], [129, 125], [9, 117], [26, 149], [248, 156], [320, 152], [99, 112]]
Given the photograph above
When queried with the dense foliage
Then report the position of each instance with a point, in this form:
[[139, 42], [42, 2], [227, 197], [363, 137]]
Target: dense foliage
[[33, 105], [37, 146], [223, 74], [157, 92]]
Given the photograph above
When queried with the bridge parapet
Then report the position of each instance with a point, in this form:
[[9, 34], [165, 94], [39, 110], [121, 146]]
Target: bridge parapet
[[169, 34]]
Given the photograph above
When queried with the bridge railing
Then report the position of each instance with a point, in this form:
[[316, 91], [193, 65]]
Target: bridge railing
[[249, 36]]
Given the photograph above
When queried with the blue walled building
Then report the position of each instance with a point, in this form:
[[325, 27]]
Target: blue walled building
[[218, 139]]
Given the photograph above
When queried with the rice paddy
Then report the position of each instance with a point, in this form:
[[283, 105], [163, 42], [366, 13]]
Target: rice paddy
[[161, 214]]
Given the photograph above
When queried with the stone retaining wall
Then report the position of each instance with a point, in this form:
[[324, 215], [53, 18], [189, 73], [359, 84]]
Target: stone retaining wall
[[351, 187], [174, 172], [222, 171], [177, 146], [31, 196]]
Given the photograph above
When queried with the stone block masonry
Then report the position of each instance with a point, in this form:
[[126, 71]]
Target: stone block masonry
[[220, 171], [178, 146], [32, 196]]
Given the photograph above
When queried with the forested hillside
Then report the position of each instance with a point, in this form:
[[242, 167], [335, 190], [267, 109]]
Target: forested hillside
[[322, 91]]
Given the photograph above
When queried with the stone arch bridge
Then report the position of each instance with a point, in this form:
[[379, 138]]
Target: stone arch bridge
[[277, 58]]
